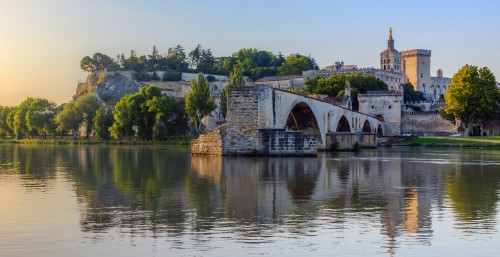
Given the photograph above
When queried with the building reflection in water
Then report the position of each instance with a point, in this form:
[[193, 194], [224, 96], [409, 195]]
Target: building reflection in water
[[166, 191]]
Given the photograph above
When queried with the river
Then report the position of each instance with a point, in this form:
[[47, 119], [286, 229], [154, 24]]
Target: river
[[160, 201]]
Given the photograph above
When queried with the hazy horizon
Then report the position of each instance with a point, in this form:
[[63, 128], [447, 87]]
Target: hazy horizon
[[43, 42]]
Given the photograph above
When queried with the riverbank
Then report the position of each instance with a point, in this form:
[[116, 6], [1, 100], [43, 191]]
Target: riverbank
[[450, 142], [94, 141]]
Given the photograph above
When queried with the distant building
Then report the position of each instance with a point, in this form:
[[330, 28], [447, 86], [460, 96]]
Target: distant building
[[396, 67]]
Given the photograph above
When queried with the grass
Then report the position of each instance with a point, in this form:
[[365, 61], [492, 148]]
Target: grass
[[184, 140], [451, 142]]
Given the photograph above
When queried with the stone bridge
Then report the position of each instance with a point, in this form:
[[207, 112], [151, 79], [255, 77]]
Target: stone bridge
[[268, 121]]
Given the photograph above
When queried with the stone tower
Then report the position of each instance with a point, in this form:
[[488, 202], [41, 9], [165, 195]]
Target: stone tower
[[417, 67], [390, 59]]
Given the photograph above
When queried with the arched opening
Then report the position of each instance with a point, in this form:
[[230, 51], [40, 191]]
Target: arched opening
[[328, 123], [366, 127], [302, 119], [380, 133], [380, 117], [343, 125]]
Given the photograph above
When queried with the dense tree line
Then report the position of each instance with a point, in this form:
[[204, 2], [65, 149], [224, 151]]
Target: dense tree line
[[334, 85], [155, 116], [253, 63]]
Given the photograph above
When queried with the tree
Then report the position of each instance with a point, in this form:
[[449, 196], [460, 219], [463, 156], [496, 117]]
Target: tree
[[295, 64], [69, 119], [4, 126], [103, 120], [472, 95], [124, 114], [10, 119], [170, 117], [195, 56], [20, 127], [253, 62], [199, 101], [98, 62], [236, 77], [40, 117], [86, 107], [334, 85], [223, 102], [409, 93]]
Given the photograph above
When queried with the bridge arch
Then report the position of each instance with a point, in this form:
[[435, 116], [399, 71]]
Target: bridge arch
[[303, 118], [380, 132], [367, 127], [343, 125]]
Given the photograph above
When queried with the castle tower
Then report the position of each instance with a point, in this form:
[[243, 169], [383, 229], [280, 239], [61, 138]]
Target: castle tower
[[417, 67], [390, 59]]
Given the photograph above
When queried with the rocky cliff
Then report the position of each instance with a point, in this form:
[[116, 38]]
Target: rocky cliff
[[108, 86]]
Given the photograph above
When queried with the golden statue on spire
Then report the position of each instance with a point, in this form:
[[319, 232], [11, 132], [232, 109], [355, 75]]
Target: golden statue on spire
[[390, 32]]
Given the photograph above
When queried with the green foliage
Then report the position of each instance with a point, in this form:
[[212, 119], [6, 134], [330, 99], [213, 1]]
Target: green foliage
[[295, 64], [236, 77], [155, 77], [199, 101], [142, 76], [254, 63], [409, 93], [69, 119], [170, 116], [154, 114], [172, 75], [124, 114], [103, 120], [201, 60], [473, 94], [357, 147], [40, 117], [20, 127], [10, 119], [86, 107], [333, 85], [223, 102], [211, 78], [5, 130], [98, 62]]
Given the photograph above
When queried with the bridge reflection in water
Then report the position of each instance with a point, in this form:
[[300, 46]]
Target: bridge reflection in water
[[165, 191]]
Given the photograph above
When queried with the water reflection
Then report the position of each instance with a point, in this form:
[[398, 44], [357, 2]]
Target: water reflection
[[165, 191]]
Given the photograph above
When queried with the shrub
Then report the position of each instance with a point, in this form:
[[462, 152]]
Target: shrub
[[171, 75]]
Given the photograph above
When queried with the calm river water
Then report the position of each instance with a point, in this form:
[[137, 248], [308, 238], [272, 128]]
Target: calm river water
[[160, 201]]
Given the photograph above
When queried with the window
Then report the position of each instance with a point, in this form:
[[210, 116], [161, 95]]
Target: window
[[373, 107], [390, 106], [421, 75]]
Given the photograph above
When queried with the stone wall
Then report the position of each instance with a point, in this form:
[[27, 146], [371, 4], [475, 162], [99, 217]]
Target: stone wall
[[346, 141], [211, 143], [242, 127], [387, 105], [278, 142], [426, 124]]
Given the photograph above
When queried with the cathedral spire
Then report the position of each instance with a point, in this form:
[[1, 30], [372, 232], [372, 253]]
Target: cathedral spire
[[390, 42]]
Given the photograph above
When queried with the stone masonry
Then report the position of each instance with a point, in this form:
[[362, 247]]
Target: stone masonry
[[242, 113], [211, 143]]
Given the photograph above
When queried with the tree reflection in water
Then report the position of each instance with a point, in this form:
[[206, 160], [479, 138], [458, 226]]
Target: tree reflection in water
[[165, 191]]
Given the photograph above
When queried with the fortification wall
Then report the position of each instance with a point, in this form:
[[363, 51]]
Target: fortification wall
[[426, 124]]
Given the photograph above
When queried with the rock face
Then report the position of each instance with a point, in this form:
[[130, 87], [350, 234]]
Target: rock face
[[108, 86]]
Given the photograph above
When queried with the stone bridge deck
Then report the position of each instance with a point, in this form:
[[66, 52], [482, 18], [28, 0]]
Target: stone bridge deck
[[257, 111]]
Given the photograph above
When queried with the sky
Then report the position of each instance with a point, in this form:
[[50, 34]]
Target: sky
[[42, 42]]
